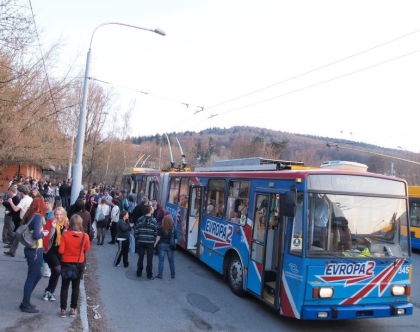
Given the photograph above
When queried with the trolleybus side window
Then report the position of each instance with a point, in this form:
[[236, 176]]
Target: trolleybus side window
[[174, 191], [142, 186], [415, 214], [183, 193], [216, 198], [237, 203]]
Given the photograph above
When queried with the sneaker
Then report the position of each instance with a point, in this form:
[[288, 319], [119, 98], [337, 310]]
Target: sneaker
[[52, 297], [29, 310], [159, 277], [30, 304], [9, 253], [173, 277], [63, 313], [151, 278], [73, 312], [47, 295]]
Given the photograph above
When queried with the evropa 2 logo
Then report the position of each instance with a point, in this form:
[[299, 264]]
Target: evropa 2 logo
[[350, 273], [220, 234]]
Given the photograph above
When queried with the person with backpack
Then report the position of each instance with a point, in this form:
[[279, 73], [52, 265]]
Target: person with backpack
[[33, 217]]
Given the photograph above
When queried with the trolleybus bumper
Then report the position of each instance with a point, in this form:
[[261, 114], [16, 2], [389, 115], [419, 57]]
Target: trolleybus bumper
[[356, 311]]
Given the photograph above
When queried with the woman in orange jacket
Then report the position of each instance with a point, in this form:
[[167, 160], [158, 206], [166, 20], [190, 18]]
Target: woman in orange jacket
[[73, 246]]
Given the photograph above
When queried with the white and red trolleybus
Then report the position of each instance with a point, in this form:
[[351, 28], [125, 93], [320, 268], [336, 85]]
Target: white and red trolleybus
[[317, 244]]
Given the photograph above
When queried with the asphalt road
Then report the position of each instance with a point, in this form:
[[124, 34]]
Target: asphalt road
[[199, 300]]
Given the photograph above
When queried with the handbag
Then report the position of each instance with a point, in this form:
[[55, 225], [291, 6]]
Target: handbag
[[25, 236], [91, 232], [172, 242], [70, 271], [101, 215]]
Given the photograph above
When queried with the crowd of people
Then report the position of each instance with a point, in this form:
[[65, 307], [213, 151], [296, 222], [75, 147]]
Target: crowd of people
[[64, 232]]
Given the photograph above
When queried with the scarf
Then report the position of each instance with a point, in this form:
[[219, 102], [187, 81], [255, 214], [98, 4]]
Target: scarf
[[58, 226]]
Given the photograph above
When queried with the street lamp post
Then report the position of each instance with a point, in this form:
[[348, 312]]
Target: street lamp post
[[78, 167]]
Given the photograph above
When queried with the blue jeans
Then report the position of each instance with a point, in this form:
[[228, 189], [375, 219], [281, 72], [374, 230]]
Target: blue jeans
[[34, 260], [164, 247]]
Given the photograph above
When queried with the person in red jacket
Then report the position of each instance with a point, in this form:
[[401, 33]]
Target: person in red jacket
[[73, 251]]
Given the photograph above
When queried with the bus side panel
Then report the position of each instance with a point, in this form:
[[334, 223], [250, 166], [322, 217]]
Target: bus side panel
[[415, 237], [292, 293], [217, 237]]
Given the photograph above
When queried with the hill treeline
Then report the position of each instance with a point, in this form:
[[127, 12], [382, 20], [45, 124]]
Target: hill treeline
[[204, 147]]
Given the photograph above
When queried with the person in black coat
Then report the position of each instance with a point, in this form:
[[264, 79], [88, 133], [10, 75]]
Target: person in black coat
[[63, 192], [123, 237], [139, 211]]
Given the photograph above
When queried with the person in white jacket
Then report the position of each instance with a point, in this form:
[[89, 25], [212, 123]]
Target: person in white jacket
[[101, 218], [115, 213]]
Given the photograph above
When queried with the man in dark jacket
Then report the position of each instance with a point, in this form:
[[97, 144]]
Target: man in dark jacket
[[79, 208], [139, 210], [63, 192], [145, 232]]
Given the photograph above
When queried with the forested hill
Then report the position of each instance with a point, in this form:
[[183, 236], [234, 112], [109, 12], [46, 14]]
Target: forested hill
[[202, 148]]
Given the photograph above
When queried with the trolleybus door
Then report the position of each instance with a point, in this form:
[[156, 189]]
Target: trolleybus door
[[195, 207], [266, 248]]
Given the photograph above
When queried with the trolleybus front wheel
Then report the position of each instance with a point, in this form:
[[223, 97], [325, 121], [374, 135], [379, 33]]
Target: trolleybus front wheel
[[236, 276]]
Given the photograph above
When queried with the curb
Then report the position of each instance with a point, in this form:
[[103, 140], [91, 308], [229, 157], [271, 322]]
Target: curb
[[83, 307]]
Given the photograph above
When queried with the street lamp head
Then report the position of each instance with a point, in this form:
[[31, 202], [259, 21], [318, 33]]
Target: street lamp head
[[160, 32]]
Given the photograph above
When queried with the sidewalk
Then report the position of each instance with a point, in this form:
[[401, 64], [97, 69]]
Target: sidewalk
[[13, 272]]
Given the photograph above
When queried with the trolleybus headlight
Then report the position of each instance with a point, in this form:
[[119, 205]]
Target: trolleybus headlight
[[326, 292], [398, 290]]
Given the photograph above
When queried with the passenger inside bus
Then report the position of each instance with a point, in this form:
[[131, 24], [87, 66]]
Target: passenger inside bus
[[320, 221], [243, 207], [262, 210], [235, 219], [210, 206], [183, 200]]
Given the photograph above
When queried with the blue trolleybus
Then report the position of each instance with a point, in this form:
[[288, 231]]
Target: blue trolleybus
[[316, 244]]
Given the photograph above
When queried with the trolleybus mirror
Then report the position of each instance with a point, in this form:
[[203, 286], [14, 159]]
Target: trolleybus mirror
[[289, 209]]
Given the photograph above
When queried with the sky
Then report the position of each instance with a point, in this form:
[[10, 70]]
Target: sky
[[345, 69]]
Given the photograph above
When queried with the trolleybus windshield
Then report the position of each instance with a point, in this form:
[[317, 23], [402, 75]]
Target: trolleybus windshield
[[365, 224]]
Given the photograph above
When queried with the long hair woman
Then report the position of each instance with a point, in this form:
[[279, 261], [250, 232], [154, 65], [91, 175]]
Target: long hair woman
[[57, 227], [33, 254], [103, 209], [163, 239], [71, 246]]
